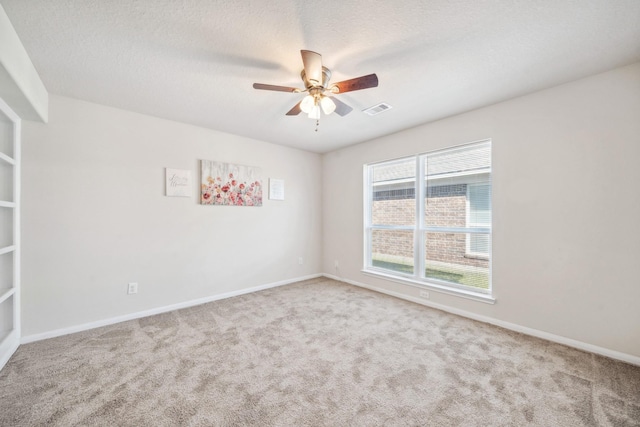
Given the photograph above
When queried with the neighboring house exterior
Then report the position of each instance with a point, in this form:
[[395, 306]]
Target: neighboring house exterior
[[446, 205]]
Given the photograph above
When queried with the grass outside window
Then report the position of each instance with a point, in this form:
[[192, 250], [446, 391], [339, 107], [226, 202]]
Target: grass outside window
[[449, 273]]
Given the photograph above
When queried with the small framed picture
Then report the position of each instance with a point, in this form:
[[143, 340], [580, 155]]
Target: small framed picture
[[178, 182], [276, 189]]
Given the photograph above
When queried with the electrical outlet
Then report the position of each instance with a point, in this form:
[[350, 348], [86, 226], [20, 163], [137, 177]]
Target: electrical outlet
[[336, 264], [300, 260], [424, 294], [132, 289]]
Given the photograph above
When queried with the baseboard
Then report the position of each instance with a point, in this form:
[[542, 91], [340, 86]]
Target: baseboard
[[137, 315], [628, 358]]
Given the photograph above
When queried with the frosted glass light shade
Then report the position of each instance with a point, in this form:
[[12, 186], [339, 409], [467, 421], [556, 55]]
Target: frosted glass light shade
[[327, 104], [315, 113], [307, 103]]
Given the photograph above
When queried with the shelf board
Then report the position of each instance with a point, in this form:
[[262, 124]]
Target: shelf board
[[7, 159], [4, 294], [5, 204], [7, 249]]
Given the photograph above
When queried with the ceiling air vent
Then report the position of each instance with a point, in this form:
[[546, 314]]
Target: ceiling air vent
[[376, 109]]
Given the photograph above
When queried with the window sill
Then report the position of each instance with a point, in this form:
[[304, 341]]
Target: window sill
[[475, 296]]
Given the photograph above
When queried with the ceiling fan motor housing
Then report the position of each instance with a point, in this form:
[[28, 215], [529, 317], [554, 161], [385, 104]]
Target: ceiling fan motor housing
[[309, 84]]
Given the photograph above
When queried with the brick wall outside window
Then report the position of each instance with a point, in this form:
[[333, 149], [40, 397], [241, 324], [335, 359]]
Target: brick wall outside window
[[445, 207]]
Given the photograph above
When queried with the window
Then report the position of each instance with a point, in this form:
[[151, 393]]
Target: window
[[435, 230]]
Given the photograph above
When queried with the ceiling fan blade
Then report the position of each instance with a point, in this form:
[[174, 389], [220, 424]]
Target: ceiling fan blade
[[295, 110], [342, 109], [312, 66], [276, 88], [359, 83]]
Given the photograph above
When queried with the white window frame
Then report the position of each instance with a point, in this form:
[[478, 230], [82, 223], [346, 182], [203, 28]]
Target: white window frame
[[419, 229], [368, 171]]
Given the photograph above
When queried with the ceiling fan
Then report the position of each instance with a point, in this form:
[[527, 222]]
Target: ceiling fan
[[316, 81]]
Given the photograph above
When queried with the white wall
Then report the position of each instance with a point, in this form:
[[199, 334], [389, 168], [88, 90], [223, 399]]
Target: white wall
[[95, 216], [566, 207]]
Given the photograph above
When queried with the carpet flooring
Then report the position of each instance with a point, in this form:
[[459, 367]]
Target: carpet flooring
[[314, 353]]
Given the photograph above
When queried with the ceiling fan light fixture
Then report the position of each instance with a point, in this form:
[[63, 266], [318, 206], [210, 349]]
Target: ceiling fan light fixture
[[327, 104], [307, 103], [315, 113], [319, 98]]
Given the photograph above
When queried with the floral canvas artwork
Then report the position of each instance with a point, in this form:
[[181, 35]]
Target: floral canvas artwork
[[228, 184]]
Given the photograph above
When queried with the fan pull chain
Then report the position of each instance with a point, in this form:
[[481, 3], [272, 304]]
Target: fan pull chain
[[317, 124]]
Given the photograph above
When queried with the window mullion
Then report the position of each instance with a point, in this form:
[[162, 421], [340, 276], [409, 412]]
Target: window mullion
[[392, 227], [472, 230], [419, 235], [367, 178]]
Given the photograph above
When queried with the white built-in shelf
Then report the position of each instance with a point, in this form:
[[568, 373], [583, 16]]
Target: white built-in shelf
[[10, 296], [7, 159], [6, 294], [7, 249], [6, 337]]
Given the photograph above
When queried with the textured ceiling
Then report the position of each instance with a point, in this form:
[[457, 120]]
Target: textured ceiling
[[194, 61]]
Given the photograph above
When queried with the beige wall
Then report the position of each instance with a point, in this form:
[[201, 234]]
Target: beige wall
[[566, 207], [95, 217]]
